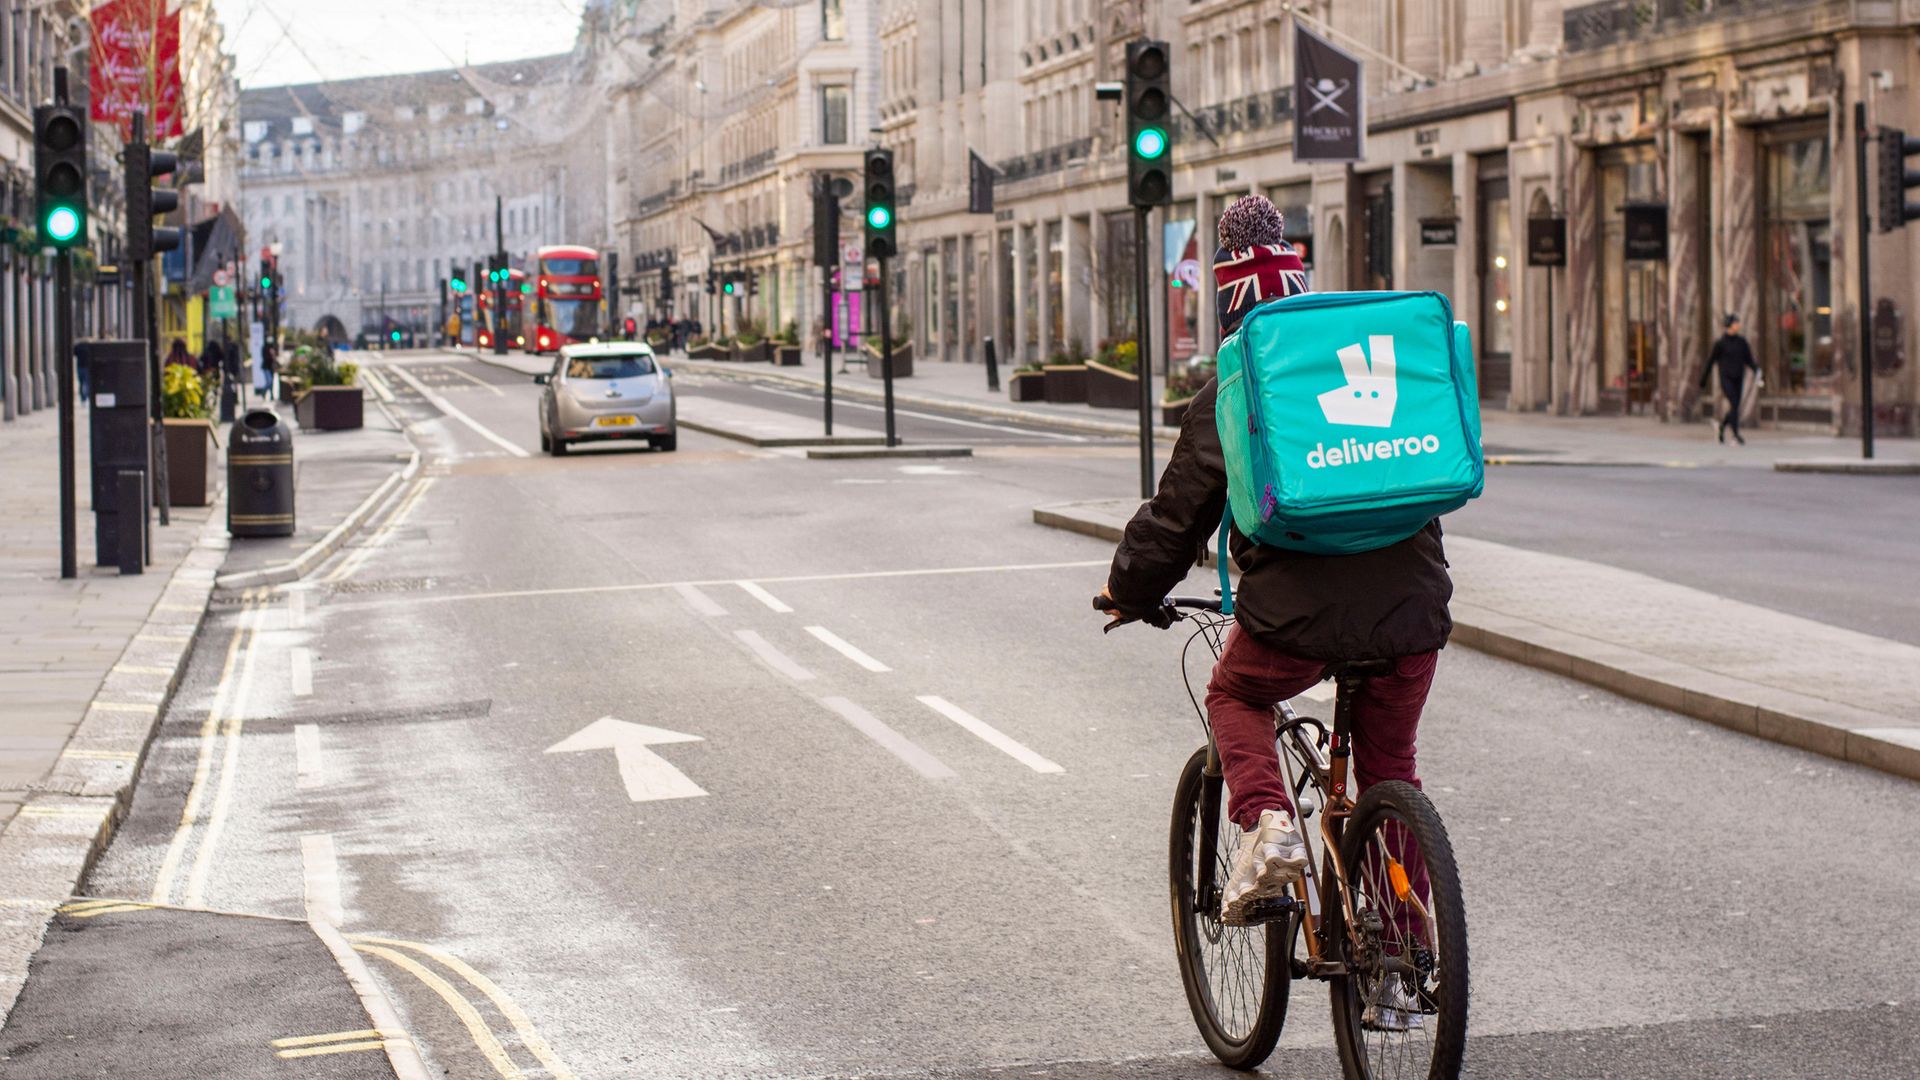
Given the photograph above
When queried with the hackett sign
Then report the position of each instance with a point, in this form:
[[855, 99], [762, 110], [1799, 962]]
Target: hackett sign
[[1329, 101]]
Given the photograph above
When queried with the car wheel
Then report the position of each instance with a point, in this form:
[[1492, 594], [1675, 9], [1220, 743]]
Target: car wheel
[[666, 442], [546, 444]]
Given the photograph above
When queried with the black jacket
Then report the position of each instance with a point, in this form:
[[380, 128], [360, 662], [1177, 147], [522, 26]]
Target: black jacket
[[1383, 603], [1733, 356]]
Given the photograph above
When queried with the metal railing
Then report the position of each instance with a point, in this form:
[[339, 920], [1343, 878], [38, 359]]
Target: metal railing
[[1611, 22]]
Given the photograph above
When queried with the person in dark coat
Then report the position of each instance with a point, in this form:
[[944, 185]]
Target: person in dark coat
[[210, 359], [1294, 612], [1731, 357], [178, 354]]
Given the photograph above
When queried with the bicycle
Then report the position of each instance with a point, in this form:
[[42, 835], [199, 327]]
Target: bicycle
[[1395, 961]]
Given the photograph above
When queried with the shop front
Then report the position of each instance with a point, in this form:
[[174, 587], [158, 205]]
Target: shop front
[[1793, 335]]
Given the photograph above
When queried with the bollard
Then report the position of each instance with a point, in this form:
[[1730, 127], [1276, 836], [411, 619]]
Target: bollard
[[993, 368], [130, 505]]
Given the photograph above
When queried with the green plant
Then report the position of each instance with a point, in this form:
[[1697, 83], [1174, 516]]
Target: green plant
[[1059, 357], [319, 368], [789, 334], [1076, 352], [699, 341], [1031, 367], [1123, 356], [182, 395]]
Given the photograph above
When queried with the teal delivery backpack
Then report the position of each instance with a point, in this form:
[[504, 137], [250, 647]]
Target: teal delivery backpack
[[1348, 420]]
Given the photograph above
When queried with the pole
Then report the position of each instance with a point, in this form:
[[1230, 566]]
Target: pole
[[1143, 361], [1865, 303], [886, 350], [1550, 407], [826, 339], [500, 287], [63, 344], [993, 368]]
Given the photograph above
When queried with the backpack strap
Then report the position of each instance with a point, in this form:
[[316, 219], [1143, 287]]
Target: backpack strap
[[1220, 560]]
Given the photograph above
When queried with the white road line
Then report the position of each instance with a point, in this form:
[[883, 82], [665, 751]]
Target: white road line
[[484, 385], [763, 596], [309, 771], [843, 404], [296, 608], [989, 734], [244, 626], [379, 385], [773, 657], [447, 407], [890, 740], [229, 774], [844, 648], [700, 602], [300, 666], [352, 563], [321, 873]]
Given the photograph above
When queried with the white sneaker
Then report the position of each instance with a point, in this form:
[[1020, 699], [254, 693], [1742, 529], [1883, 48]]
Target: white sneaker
[[1392, 1008], [1271, 856]]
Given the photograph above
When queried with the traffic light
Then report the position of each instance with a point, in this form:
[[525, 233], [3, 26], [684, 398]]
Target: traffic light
[[394, 336], [880, 214], [666, 283], [269, 274], [146, 202], [60, 174], [1896, 179], [1149, 156], [729, 285], [458, 280], [753, 284], [710, 280]]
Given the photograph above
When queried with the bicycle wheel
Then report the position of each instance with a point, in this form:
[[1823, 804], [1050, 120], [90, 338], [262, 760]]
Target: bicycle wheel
[[1401, 1009], [1236, 977]]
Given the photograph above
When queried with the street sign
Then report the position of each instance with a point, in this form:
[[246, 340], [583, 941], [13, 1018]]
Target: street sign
[[221, 277], [853, 266], [220, 303], [1546, 241], [647, 775]]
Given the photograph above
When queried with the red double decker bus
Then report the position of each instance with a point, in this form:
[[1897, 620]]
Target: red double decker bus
[[514, 330], [566, 298]]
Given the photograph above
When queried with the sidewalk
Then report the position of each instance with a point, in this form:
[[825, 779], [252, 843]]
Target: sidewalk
[[89, 665], [1836, 692]]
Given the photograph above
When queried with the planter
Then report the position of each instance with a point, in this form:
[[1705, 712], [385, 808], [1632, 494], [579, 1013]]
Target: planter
[[189, 461], [330, 408], [1108, 388], [709, 352], [902, 362], [1066, 383], [1174, 413], [290, 388], [1027, 386], [788, 355], [759, 352]]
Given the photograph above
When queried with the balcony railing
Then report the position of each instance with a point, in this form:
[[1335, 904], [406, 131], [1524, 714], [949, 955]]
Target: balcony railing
[[1255, 112], [1610, 22], [1042, 162]]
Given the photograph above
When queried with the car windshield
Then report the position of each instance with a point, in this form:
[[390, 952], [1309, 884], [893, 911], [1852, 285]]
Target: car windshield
[[572, 267], [610, 367]]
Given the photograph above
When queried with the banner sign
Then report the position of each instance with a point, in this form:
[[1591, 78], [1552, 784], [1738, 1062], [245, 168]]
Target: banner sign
[[1547, 241], [1439, 232], [1646, 232], [1329, 100], [136, 66], [979, 184]]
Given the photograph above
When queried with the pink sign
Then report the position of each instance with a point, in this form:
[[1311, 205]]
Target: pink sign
[[846, 320], [136, 66]]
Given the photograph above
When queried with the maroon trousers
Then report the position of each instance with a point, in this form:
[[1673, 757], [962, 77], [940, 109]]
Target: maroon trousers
[[1252, 678]]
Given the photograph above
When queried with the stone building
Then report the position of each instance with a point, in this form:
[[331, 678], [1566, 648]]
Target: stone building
[[373, 190]]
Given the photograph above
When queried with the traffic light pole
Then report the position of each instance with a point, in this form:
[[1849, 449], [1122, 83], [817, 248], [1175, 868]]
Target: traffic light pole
[[826, 338], [500, 287], [63, 362], [1143, 356], [886, 349], [1865, 303]]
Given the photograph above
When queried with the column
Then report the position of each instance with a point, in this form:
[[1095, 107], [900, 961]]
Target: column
[[1043, 292], [1578, 391], [1098, 245], [1016, 350], [1686, 286], [1078, 284]]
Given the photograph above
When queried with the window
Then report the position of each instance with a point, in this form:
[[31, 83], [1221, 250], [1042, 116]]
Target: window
[[833, 20], [303, 125], [833, 115], [610, 367]]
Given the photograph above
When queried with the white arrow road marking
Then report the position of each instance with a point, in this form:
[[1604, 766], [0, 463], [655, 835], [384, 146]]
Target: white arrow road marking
[[989, 734], [648, 776]]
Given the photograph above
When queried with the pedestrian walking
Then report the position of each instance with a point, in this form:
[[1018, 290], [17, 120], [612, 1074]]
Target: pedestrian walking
[[178, 354], [1733, 358], [210, 359]]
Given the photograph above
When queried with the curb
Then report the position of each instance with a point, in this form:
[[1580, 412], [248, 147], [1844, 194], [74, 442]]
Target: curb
[[843, 453], [1806, 723], [1850, 466], [71, 815], [317, 552], [780, 442]]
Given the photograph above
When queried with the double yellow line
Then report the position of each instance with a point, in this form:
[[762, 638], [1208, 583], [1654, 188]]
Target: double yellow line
[[402, 954]]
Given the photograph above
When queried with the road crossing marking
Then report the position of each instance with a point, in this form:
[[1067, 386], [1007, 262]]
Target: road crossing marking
[[483, 1038], [773, 657], [530, 1036], [300, 670], [447, 407], [320, 874], [309, 771], [203, 764], [845, 648], [890, 740], [497, 392], [989, 734], [699, 601], [764, 597]]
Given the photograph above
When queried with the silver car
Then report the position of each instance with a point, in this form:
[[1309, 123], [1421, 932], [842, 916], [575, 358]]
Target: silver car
[[616, 390]]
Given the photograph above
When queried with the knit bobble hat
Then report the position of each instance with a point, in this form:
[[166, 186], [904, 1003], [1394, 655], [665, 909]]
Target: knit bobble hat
[[1255, 262]]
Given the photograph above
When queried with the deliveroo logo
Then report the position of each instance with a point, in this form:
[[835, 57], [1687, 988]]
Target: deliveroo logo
[[1371, 392]]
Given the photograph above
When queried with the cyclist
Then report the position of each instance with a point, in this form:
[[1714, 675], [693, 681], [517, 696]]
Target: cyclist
[[1294, 613]]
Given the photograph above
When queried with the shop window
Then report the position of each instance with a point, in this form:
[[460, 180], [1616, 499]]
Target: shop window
[[1496, 290], [1797, 271]]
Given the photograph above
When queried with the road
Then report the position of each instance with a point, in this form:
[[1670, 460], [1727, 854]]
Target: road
[[902, 808]]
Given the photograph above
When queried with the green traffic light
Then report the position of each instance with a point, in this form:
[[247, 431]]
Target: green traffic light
[[879, 217], [525, 289], [1150, 143], [63, 224], [395, 336], [458, 285], [265, 282], [727, 288]]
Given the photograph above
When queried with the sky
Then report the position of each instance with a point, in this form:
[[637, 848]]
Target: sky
[[275, 42]]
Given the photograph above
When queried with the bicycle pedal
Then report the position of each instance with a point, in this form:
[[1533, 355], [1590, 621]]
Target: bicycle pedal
[[1271, 910]]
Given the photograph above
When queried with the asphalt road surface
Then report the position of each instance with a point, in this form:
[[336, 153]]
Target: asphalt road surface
[[727, 763]]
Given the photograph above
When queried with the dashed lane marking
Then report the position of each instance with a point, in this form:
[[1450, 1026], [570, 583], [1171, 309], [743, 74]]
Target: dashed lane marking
[[989, 734], [845, 648], [517, 1018], [320, 875], [497, 392], [773, 602], [309, 771], [482, 1036], [889, 740], [772, 656], [447, 407], [203, 764], [296, 609], [300, 670], [700, 602]]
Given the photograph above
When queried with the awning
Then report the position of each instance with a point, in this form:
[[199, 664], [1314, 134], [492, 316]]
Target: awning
[[214, 243]]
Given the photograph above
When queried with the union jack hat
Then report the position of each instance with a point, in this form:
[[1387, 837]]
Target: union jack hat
[[1245, 277]]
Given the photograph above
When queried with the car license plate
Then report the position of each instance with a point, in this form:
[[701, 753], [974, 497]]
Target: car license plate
[[613, 421]]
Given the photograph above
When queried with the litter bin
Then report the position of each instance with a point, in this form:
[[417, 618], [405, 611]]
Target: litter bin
[[260, 476]]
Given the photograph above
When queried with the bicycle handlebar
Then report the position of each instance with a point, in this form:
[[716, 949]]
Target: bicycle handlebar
[[1168, 613]]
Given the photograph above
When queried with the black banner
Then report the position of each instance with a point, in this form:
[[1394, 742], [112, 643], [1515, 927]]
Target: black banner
[[1329, 107], [1646, 233], [1439, 232], [979, 185], [1547, 241]]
